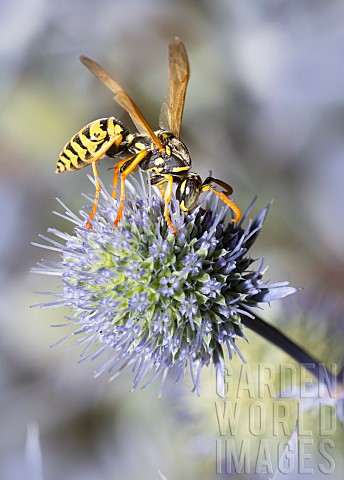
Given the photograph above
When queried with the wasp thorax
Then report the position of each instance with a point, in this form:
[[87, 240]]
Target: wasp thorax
[[174, 147], [172, 159]]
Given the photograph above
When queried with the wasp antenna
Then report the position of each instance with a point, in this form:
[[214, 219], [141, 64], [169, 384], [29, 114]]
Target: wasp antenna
[[233, 206]]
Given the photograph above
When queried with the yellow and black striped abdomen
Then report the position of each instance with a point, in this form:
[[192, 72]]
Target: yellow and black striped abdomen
[[91, 143]]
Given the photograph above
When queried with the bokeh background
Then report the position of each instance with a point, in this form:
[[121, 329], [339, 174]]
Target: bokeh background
[[264, 112]]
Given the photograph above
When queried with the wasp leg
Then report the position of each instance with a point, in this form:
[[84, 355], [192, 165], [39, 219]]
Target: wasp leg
[[93, 159], [167, 199], [130, 168], [166, 195], [162, 190], [96, 197], [157, 181], [116, 170], [233, 206]]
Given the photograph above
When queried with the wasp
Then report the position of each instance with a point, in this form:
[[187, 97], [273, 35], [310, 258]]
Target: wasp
[[161, 152]]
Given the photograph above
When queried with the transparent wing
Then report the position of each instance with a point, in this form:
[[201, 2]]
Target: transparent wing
[[122, 98], [179, 73]]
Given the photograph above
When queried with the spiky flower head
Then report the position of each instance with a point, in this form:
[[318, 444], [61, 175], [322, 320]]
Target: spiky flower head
[[153, 299]]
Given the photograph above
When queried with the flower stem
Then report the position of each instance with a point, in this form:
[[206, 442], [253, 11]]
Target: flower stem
[[275, 336]]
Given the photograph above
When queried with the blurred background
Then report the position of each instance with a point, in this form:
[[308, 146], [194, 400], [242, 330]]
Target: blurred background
[[264, 112]]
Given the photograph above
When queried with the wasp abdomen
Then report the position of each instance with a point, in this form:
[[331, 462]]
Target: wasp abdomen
[[96, 139]]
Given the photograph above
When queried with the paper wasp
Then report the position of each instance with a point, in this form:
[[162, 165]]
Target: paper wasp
[[161, 153]]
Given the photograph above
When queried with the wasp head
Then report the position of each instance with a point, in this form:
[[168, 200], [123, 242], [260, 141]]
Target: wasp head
[[188, 191]]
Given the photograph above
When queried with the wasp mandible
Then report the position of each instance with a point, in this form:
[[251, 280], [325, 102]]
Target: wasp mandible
[[160, 152]]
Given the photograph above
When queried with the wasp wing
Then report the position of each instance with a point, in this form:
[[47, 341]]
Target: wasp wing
[[179, 73], [122, 98]]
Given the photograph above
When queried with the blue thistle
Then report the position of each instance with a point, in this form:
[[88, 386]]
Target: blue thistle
[[153, 299]]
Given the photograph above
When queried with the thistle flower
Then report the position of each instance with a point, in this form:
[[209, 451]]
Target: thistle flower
[[153, 299]]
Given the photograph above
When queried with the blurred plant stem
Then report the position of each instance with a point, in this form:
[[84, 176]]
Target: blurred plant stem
[[275, 336]]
